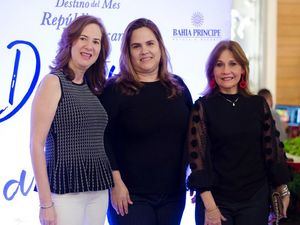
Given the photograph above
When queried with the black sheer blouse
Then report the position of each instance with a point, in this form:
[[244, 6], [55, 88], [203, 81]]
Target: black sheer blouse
[[234, 150]]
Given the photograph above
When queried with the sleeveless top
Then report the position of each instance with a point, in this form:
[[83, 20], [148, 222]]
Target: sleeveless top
[[75, 154]]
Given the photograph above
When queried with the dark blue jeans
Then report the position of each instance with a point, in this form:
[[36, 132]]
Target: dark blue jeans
[[253, 211], [151, 209]]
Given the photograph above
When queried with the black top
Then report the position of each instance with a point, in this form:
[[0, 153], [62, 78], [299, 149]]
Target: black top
[[234, 148], [145, 137], [75, 155]]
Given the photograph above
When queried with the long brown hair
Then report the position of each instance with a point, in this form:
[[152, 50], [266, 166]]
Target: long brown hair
[[95, 74], [238, 54], [128, 79]]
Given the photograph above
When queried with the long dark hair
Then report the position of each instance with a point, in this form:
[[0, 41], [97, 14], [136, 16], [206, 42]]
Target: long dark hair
[[95, 74], [238, 54], [128, 78]]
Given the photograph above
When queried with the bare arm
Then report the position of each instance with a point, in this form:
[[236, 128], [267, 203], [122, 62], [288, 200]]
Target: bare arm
[[43, 110]]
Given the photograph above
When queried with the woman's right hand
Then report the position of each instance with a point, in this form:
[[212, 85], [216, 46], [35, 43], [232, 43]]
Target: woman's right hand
[[48, 216], [120, 198], [213, 217]]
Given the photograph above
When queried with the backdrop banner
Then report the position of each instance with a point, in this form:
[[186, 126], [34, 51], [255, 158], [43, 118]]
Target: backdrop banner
[[28, 44]]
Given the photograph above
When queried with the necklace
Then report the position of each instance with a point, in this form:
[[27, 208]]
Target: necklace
[[232, 102]]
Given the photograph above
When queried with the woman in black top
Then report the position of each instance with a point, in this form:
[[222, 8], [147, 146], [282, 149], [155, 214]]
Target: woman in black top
[[148, 109], [234, 149]]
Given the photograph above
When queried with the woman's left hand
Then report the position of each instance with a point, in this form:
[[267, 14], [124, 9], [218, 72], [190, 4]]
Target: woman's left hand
[[285, 201], [285, 195]]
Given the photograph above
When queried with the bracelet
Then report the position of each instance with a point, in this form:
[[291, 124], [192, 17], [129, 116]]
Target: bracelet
[[285, 193], [211, 210], [47, 206], [284, 190]]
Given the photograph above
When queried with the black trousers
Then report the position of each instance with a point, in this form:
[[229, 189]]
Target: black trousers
[[253, 211], [151, 209]]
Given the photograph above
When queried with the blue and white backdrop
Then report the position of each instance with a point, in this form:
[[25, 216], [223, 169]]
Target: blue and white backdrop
[[28, 43]]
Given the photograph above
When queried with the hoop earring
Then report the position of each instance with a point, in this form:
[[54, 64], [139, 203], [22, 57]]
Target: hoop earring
[[243, 83]]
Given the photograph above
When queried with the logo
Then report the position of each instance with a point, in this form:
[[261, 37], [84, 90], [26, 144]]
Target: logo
[[197, 19], [25, 53], [195, 32]]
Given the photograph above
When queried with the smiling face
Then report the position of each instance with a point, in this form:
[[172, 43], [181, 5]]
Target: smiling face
[[145, 54], [227, 73], [86, 48]]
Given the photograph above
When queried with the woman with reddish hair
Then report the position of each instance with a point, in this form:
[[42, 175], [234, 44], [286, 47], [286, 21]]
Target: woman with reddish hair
[[73, 174]]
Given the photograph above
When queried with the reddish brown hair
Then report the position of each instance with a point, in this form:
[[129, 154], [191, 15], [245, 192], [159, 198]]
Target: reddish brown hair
[[95, 74]]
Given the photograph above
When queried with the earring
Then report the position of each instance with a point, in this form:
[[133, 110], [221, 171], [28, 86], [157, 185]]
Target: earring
[[212, 83], [243, 83]]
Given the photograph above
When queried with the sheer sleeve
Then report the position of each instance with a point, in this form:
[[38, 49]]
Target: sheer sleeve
[[200, 178], [277, 168]]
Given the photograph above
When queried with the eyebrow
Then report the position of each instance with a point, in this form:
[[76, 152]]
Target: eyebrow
[[219, 60], [138, 43], [87, 37], [135, 43]]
